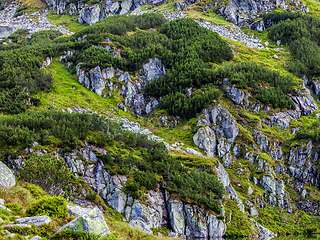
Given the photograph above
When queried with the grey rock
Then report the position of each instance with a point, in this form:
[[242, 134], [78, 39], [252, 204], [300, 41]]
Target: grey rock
[[262, 230], [91, 222], [89, 15], [108, 72], [223, 123], [180, 5], [254, 212], [38, 220], [205, 139], [125, 6], [250, 190], [154, 69], [7, 179], [16, 226], [258, 26], [194, 152], [97, 82], [125, 77], [77, 210], [236, 95], [35, 238], [268, 183]]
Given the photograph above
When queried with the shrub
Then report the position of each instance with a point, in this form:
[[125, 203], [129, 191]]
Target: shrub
[[15, 208], [50, 206], [47, 171], [79, 235]]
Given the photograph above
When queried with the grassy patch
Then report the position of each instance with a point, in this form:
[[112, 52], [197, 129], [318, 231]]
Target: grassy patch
[[68, 92], [68, 21]]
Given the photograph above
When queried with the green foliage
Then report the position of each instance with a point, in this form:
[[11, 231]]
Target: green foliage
[[15, 208], [189, 184], [53, 179], [302, 33], [36, 191], [46, 126], [310, 131], [179, 104], [239, 225], [79, 235], [19, 11], [50, 206], [21, 76], [270, 87]]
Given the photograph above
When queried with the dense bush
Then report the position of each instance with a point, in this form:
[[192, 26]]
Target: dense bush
[[270, 87], [21, 76], [50, 206], [53, 179], [302, 33], [52, 127], [79, 235], [179, 104]]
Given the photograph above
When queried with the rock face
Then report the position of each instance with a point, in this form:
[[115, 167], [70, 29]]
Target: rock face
[[154, 69], [242, 12], [92, 14], [142, 104], [34, 22], [222, 121], [89, 15], [91, 222], [97, 82], [7, 179], [205, 139], [160, 210]]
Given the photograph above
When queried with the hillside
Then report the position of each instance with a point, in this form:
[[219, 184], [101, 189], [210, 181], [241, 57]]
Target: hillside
[[159, 119]]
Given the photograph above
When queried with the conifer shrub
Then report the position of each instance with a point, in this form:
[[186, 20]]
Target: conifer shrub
[[47, 171], [50, 206]]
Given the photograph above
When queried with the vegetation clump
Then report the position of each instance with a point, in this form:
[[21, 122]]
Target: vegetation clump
[[302, 33], [50, 206]]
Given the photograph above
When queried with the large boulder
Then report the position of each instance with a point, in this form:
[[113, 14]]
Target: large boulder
[[7, 179], [91, 222], [97, 82], [236, 95], [222, 121], [205, 139], [154, 69], [89, 15]]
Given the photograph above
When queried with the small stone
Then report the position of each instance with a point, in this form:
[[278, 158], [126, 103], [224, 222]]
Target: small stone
[[275, 56], [36, 238], [38, 220], [250, 190]]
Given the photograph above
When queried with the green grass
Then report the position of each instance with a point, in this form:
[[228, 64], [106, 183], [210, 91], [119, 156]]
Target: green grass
[[64, 95], [68, 21]]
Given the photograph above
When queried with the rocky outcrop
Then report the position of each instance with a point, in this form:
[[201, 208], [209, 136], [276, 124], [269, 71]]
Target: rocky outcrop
[[258, 26], [34, 22], [7, 179], [305, 106], [236, 95], [205, 139], [89, 15], [142, 104], [160, 209], [154, 69], [221, 120], [91, 222], [243, 12], [302, 165], [97, 82]]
